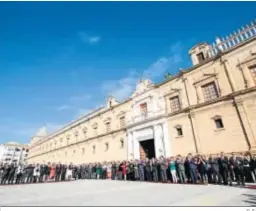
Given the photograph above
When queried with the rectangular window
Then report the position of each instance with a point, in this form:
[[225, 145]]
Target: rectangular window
[[200, 57], [179, 131], [143, 108], [210, 91], [95, 131], [122, 122], [219, 123], [253, 71], [108, 128], [175, 103]]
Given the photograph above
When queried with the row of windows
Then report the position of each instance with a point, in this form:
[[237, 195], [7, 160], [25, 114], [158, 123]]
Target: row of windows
[[106, 145], [218, 124], [210, 92], [53, 145]]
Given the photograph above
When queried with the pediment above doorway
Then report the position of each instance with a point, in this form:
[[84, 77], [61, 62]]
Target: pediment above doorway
[[142, 87]]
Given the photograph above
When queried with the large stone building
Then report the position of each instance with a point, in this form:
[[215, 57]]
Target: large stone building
[[208, 108], [13, 152]]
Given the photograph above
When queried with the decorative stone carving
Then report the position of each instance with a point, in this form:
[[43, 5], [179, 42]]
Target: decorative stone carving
[[143, 86]]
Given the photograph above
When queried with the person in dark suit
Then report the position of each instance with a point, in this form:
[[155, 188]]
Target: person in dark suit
[[12, 171], [192, 164], [41, 173], [58, 172], [223, 166], [213, 161], [5, 174]]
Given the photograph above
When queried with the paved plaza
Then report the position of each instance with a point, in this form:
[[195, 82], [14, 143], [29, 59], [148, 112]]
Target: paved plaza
[[124, 193]]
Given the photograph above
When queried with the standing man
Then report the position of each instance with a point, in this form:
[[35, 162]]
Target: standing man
[[192, 168], [181, 169], [223, 165]]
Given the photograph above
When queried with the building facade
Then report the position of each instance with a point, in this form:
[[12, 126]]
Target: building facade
[[13, 152], [208, 108]]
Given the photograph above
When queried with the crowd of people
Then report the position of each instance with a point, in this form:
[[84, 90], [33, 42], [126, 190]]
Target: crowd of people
[[198, 169]]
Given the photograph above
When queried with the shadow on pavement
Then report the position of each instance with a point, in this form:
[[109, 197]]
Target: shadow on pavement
[[250, 199]]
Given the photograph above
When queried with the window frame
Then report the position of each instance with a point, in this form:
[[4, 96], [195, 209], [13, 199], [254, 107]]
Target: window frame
[[207, 91], [175, 103]]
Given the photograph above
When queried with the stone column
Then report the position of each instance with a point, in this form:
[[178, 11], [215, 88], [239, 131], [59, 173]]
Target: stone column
[[130, 150], [136, 147], [159, 149], [166, 140], [249, 82]]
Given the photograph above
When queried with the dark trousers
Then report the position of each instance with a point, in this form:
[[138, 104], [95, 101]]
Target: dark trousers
[[216, 177], [41, 177], [239, 173], [18, 178], [193, 176], [113, 174], [149, 176], [224, 175], [163, 176], [182, 176], [57, 178], [142, 176], [155, 175], [11, 178], [30, 178], [4, 179]]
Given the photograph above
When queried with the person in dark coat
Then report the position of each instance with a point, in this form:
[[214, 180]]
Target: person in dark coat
[[223, 165], [5, 175], [63, 172], [58, 172], [192, 169], [12, 173], [155, 170], [41, 173], [213, 161], [141, 166], [113, 170], [148, 170], [30, 173], [202, 168], [163, 165]]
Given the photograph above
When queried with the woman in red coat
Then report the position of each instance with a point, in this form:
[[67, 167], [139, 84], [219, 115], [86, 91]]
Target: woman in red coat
[[53, 171], [124, 169]]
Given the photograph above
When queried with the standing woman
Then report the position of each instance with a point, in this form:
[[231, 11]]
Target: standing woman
[[53, 171], [98, 171], [173, 170], [124, 170]]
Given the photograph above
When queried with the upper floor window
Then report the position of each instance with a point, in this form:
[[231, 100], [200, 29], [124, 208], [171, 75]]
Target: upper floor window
[[93, 149], [144, 108], [210, 91], [200, 57], [122, 143], [106, 146], [253, 71], [122, 122], [175, 103], [108, 127], [85, 132], [95, 129]]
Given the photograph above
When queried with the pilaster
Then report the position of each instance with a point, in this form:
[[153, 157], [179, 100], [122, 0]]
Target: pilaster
[[249, 132]]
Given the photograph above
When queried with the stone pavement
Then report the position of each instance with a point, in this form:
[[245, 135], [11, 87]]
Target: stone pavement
[[124, 193]]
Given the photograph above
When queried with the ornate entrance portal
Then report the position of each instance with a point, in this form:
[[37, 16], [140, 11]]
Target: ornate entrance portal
[[147, 149]]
